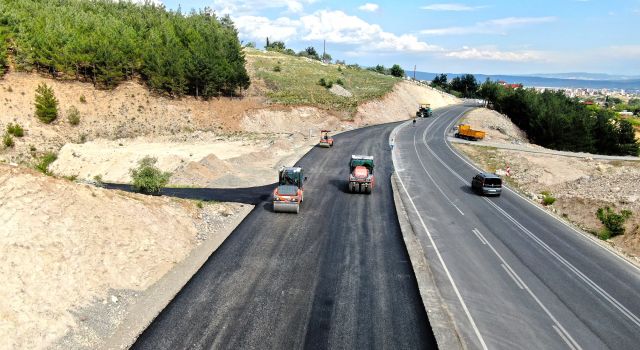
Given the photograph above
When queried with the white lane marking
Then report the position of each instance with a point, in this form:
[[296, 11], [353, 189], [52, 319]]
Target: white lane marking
[[431, 177], [571, 268], [632, 317], [480, 236], [580, 234], [444, 266], [512, 276], [564, 337], [529, 291]]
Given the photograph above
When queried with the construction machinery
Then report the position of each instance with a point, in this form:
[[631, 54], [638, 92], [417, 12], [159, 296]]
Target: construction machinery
[[325, 139], [361, 179], [290, 192], [465, 132], [424, 110]]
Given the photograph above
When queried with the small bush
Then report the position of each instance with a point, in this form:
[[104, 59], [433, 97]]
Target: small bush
[[7, 140], [340, 82], [46, 104], [15, 130], [9, 89], [322, 82], [98, 180], [71, 177], [73, 116], [548, 200], [329, 84], [277, 68], [612, 221], [147, 178], [43, 165], [83, 99]]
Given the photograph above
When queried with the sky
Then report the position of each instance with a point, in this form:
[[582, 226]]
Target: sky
[[485, 36]]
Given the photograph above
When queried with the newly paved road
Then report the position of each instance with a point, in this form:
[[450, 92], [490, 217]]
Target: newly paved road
[[512, 276], [337, 275]]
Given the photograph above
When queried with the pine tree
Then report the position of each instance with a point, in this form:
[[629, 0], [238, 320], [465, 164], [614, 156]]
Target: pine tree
[[46, 104]]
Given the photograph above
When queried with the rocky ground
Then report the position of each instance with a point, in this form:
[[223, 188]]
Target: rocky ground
[[580, 185]]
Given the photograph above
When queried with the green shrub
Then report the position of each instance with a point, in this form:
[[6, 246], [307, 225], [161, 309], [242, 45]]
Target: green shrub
[[322, 82], [147, 178], [73, 116], [98, 180], [7, 140], [44, 162], [83, 99], [548, 199], [329, 84], [15, 130], [340, 82], [612, 221], [277, 68], [46, 104]]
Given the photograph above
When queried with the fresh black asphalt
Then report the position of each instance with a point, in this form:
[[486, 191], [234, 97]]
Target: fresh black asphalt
[[337, 275]]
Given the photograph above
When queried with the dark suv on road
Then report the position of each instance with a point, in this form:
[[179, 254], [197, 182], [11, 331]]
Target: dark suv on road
[[485, 183]]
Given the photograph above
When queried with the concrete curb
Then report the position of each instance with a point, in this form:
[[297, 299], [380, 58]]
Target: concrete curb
[[158, 296], [439, 317]]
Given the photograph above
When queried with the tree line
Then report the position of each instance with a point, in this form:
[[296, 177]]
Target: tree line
[[550, 118], [553, 120], [107, 42]]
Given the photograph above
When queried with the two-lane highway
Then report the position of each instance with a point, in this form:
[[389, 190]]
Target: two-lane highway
[[512, 276], [335, 276]]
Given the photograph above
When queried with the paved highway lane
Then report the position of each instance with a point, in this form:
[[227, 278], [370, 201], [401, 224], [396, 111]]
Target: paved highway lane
[[513, 276], [337, 275]]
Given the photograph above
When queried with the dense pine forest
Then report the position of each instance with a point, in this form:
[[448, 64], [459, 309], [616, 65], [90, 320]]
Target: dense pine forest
[[107, 42]]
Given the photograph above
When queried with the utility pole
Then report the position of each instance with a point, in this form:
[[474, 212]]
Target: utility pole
[[414, 72], [324, 50]]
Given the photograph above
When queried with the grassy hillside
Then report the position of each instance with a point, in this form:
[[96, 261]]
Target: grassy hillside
[[294, 80]]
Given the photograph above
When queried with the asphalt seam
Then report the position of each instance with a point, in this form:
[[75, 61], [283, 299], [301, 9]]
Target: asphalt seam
[[439, 316], [156, 298]]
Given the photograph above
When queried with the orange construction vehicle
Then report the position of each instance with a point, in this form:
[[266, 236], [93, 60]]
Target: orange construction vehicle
[[290, 191], [325, 140], [465, 132], [361, 179]]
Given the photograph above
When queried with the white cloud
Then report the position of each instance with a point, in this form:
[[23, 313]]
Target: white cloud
[[369, 7], [468, 53], [338, 27], [252, 7], [496, 26], [450, 7], [259, 28]]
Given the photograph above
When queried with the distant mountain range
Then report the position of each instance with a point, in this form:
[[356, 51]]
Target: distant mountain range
[[562, 80]]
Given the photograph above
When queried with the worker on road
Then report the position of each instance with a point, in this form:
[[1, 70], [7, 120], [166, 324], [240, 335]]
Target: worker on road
[[414, 122]]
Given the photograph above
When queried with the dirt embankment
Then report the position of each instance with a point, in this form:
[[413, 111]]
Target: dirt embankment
[[221, 143], [66, 246], [580, 185]]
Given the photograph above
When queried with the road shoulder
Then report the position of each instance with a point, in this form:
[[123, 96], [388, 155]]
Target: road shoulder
[[439, 317], [158, 296]]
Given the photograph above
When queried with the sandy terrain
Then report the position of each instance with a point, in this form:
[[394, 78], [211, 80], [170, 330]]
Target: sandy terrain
[[72, 257], [580, 185], [64, 246]]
